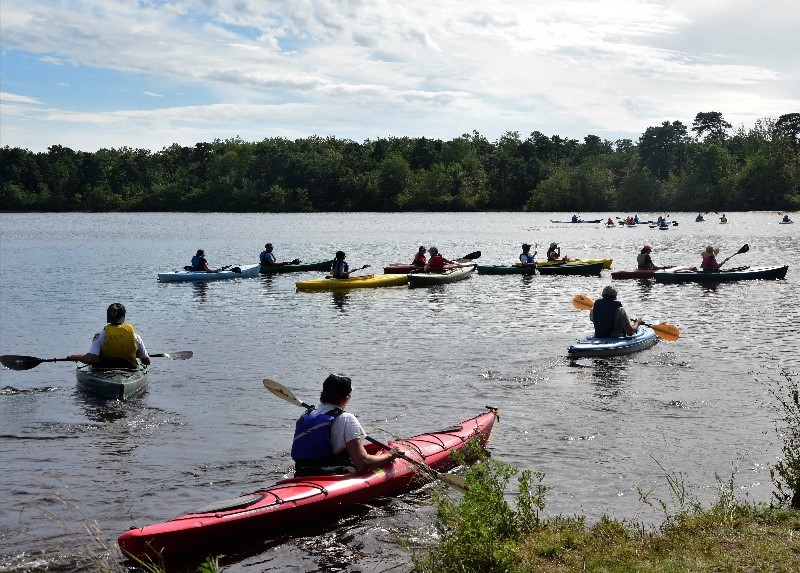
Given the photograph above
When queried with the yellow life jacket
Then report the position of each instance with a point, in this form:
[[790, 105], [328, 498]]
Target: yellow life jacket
[[119, 343]]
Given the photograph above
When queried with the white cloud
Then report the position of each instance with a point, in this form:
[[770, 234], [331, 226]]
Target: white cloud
[[363, 69]]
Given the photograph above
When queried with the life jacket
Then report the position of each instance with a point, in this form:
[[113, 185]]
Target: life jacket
[[312, 439], [119, 347], [339, 267], [267, 258], [419, 260], [603, 314], [644, 261], [436, 264], [526, 258], [197, 262]]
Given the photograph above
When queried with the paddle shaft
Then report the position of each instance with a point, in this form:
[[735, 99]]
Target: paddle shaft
[[668, 332], [15, 362]]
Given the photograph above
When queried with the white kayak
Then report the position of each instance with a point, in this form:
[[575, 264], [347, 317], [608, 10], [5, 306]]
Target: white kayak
[[202, 276], [450, 275], [645, 337]]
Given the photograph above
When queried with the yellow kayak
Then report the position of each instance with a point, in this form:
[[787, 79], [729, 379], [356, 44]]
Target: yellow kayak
[[606, 262], [365, 281]]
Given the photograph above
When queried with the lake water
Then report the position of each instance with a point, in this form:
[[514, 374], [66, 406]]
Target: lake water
[[206, 429]]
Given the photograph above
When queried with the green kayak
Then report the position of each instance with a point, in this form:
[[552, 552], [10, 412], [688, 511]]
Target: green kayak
[[684, 275], [300, 267], [115, 383], [506, 270]]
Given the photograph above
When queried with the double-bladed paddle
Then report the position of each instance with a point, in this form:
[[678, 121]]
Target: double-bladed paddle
[[744, 249], [668, 332], [15, 362], [350, 272], [456, 482]]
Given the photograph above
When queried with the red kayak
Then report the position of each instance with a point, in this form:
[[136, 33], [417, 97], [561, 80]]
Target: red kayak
[[296, 501], [400, 268]]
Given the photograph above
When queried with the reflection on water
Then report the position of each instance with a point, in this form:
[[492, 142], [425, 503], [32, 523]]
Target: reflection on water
[[200, 291], [339, 299]]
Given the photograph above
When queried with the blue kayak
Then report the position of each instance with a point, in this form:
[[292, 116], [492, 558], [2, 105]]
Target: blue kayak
[[645, 337]]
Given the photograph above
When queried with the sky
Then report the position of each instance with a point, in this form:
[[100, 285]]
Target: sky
[[146, 74]]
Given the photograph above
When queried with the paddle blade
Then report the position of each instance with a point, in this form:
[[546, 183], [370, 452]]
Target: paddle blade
[[472, 256], [668, 332], [283, 392], [582, 302], [180, 355], [744, 249], [15, 362]]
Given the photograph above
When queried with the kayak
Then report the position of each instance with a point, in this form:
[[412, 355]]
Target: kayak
[[686, 275], [401, 268], [202, 276], [645, 337], [786, 223], [448, 276], [573, 268], [301, 267], [578, 221], [116, 383], [362, 281], [300, 501], [606, 262], [506, 270]]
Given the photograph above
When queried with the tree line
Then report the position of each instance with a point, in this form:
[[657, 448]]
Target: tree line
[[708, 167]]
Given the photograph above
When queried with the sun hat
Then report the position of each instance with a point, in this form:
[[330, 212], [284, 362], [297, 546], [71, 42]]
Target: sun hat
[[709, 250], [609, 292], [647, 248], [553, 244], [337, 387], [115, 314]]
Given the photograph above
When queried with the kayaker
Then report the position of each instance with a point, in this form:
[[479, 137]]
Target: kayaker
[[199, 262], [526, 258], [554, 253], [609, 318], [574, 218], [117, 345], [699, 218], [419, 259], [610, 222], [267, 258], [437, 262], [327, 440], [723, 219], [709, 263], [340, 269], [645, 262], [786, 219]]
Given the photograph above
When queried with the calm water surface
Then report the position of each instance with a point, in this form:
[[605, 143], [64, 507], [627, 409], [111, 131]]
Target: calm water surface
[[207, 430]]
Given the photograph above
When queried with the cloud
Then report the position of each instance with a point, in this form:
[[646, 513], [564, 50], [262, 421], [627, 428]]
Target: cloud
[[366, 69]]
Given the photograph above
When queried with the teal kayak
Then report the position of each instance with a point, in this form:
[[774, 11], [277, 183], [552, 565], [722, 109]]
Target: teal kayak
[[115, 383], [645, 337]]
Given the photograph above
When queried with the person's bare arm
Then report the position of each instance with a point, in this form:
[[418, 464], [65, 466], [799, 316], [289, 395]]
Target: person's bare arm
[[362, 459]]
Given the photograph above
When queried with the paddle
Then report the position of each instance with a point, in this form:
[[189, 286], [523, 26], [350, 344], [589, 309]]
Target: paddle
[[15, 362], [350, 272], [744, 249], [456, 482], [668, 332]]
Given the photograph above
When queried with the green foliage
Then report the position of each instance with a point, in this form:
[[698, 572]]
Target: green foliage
[[786, 473], [478, 532], [665, 170]]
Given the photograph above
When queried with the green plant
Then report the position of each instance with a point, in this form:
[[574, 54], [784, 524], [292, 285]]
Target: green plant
[[786, 473], [479, 531]]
